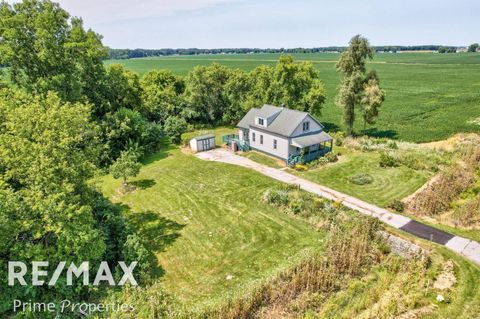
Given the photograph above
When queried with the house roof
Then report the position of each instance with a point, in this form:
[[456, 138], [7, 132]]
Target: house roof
[[285, 122], [311, 139]]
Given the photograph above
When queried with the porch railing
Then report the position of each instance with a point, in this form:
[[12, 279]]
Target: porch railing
[[242, 145], [305, 158]]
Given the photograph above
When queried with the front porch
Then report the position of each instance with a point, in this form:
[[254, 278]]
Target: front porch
[[309, 148], [306, 155]]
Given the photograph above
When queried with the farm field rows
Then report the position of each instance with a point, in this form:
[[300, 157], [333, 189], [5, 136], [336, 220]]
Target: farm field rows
[[429, 96]]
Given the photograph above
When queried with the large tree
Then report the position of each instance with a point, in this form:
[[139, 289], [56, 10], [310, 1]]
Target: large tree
[[46, 205], [295, 85], [162, 95], [126, 166], [473, 47], [205, 93], [46, 49], [358, 88]]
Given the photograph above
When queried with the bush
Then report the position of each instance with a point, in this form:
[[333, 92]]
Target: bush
[[387, 160], [338, 141], [397, 205], [392, 144], [301, 167], [361, 179], [174, 128], [276, 197], [331, 157]]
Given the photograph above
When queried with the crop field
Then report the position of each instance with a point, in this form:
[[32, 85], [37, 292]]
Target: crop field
[[429, 96], [208, 227]]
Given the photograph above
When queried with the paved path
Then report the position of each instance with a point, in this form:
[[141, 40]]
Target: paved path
[[466, 247]]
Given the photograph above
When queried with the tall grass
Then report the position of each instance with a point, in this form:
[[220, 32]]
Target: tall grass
[[438, 196]]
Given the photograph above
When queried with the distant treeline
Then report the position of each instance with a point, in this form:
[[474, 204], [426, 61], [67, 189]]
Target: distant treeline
[[143, 53]]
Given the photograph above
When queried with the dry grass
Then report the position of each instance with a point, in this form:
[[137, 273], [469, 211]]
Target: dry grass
[[320, 274], [437, 196]]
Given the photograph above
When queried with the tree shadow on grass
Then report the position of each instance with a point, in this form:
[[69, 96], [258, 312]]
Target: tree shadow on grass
[[164, 150], [143, 183], [331, 127], [374, 132], [156, 232]]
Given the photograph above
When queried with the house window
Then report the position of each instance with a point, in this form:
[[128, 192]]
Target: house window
[[306, 126], [253, 137], [274, 144], [261, 139], [260, 121]]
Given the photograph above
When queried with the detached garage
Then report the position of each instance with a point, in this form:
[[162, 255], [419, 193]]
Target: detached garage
[[202, 143]]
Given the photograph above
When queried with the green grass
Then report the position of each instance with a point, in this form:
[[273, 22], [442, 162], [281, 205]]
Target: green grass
[[388, 183], [206, 221], [429, 96], [263, 159]]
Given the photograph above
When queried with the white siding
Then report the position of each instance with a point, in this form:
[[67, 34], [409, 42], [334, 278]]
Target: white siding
[[313, 126], [267, 146], [193, 145], [240, 135], [199, 145]]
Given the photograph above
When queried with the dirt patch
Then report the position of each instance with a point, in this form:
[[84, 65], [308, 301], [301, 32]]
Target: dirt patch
[[124, 190], [446, 279], [450, 143]]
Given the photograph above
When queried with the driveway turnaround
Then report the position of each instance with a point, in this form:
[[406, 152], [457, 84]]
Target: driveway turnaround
[[466, 247]]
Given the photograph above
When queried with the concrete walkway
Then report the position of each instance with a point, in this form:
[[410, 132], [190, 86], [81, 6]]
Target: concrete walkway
[[466, 247]]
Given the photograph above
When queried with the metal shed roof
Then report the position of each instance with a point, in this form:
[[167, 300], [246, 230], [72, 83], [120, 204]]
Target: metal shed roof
[[203, 137]]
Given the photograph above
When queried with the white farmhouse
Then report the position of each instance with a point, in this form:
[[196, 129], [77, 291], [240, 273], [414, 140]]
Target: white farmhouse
[[290, 135]]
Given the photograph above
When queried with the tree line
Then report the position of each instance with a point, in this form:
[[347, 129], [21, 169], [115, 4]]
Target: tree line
[[144, 53]]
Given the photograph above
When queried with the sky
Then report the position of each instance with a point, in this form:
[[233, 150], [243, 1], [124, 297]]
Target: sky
[[154, 24]]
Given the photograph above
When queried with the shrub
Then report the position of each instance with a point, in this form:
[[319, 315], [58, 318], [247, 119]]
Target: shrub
[[361, 179], [338, 141], [331, 157], [301, 167], [323, 161], [392, 144], [276, 197], [468, 214], [397, 205], [387, 160]]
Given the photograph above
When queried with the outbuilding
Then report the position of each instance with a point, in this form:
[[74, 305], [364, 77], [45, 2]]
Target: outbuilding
[[202, 143]]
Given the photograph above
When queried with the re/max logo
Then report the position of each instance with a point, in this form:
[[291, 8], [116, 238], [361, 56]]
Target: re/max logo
[[17, 271]]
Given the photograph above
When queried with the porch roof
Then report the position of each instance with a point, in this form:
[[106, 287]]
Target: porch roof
[[311, 139]]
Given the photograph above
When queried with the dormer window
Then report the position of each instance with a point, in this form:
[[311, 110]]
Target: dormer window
[[260, 121], [306, 126]]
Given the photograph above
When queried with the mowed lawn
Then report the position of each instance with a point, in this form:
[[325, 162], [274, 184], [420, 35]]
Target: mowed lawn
[[388, 183], [206, 223], [429, 96]]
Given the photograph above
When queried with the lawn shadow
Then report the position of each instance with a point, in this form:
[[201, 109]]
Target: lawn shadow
[[143, 183], [374, 132], [156, 233], [164, 150]]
